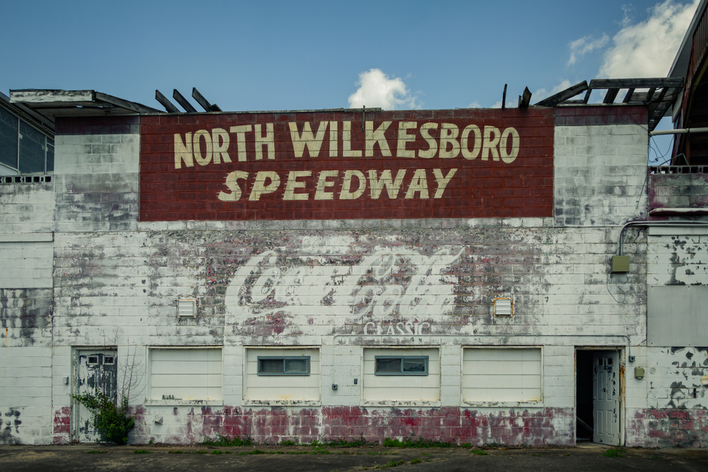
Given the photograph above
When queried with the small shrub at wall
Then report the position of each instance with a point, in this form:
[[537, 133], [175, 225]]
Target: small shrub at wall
[[110, 419]]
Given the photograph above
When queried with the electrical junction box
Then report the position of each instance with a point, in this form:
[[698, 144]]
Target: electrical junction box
[[639, 373], [620, 264]]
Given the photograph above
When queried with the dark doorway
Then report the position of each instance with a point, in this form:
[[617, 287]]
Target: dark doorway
[[597, 397], [584, 396]]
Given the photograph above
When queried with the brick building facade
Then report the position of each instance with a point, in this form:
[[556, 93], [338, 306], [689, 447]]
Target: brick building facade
[[445, 274]]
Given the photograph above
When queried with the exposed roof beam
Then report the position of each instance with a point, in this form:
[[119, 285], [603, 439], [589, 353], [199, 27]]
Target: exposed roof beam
[[628, 96], [650, 92], [610, 96], [636, 83], [183, 102], [164, 101], [119, 102], [570, 92], [525, 98], [203, 102]]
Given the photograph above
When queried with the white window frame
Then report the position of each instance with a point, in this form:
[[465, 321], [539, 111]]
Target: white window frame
[[285, 360], [403, 358], [258, 380], [433, 372]]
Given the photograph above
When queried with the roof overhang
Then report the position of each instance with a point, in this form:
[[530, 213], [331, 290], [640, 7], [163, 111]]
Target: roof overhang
[[58, 103], [680, 66], [657, 94]]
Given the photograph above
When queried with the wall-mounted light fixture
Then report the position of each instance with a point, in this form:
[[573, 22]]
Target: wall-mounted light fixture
[[186, 308], [503, 306]]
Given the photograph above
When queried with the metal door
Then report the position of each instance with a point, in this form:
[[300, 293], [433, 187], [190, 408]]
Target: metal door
[[95, 371], [606, 391]]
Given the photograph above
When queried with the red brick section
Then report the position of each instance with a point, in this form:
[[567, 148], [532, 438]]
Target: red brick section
[[62, 426], [450, 424], [588, 115], [654, 427], [479, 188]]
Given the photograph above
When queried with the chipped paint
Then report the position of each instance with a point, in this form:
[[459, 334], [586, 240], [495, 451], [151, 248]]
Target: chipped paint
[[345, 285], [450, 424]]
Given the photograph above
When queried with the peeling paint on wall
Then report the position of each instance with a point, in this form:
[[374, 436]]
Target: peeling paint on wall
[[10, 423], [391, 283], [25, 316], [450, 424]]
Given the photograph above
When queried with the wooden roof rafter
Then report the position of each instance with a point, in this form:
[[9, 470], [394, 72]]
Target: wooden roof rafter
[[658, 94], [53, 103]]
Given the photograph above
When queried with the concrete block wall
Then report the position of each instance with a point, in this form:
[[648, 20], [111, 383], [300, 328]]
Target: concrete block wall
[[27, 208], [342, 285], [600, 165], [672, 411], [26, 254], [669, 404], [129, 298], [132, 280], [26, 366], [96, 174], [678, 190]]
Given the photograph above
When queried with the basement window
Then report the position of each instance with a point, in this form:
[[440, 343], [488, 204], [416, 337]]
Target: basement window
[[401, 365], [284, 365]]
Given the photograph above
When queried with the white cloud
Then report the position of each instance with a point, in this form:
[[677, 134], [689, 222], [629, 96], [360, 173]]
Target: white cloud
[[542, 93], [627, 15], [647, 49], [585, 45], [377, 90], [538, 95]]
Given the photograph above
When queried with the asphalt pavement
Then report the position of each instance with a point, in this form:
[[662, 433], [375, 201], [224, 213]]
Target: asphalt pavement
[[588, 457]]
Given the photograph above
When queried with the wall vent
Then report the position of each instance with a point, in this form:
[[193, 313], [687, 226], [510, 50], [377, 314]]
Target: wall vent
[[503, 306], [186, 308]]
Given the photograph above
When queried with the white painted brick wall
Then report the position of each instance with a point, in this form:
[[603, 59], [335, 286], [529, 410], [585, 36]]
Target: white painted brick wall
[[600, 174], [25, 393], [26, 264], [117, 280], [97, 182], [26, 208]]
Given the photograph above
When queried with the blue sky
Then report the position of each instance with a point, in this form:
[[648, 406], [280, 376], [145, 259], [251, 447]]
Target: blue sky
[[276, 55]]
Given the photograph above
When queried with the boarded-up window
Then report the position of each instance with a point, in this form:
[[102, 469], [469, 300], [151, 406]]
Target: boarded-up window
[[676, 315], [501, 375], [420, 386], [282, 375], [185, 374]]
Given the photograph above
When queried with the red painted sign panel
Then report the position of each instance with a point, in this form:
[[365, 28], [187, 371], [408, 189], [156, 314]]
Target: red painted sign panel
[[467, 163]]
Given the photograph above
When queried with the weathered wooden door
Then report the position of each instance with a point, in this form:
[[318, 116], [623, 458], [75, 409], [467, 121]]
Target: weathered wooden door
[[606, 393], [94, 371]]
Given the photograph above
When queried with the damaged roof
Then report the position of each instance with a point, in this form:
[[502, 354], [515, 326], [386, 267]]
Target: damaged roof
[[54, 103], [658, 94]]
